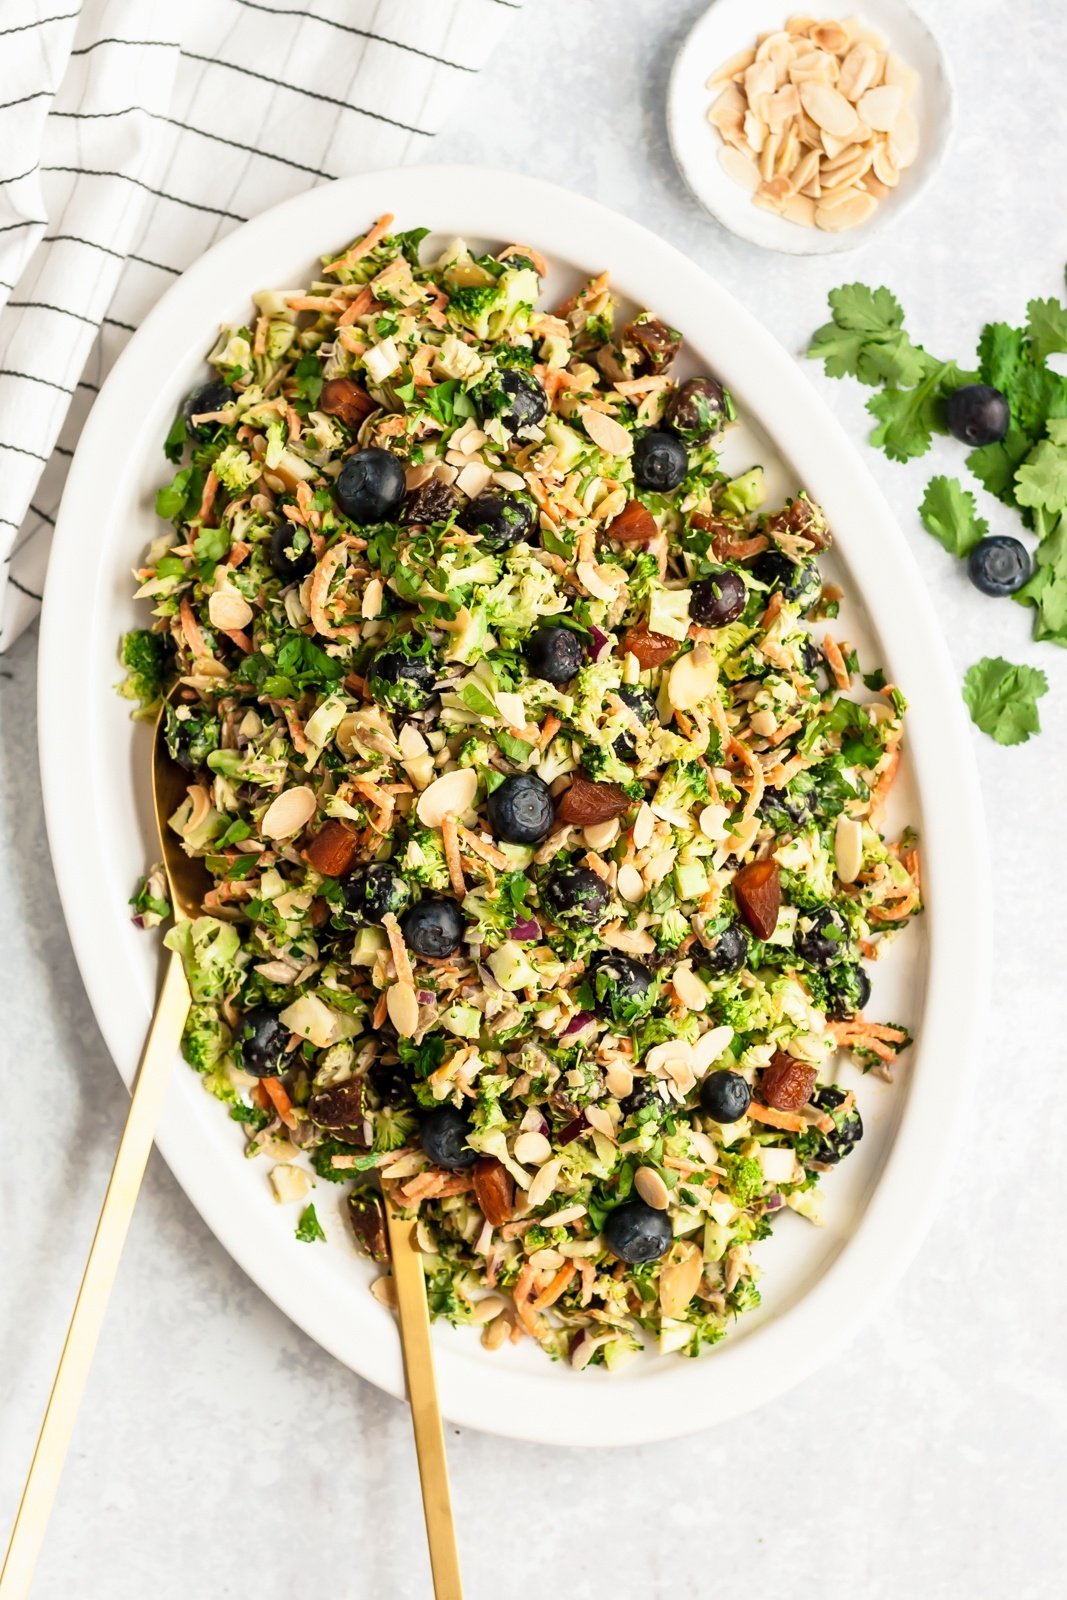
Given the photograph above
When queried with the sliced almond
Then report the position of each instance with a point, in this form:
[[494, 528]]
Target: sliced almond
[[755, 132], [769, 155], [875, 186], [688, 987], [290, 811], [592, 578], [880, 108], [652, 1189], [729, 69], [740, 167], [788, 154], [679, 1278], [848, 848], [713, 822], [448, 796], [759, 79], [373, 595], [904, 140], [829, 109], [384, 1291], [664, 1059], [799, 24], [532, 1149], [693, 679], [835, 147], [898, 72], [599, 1119], [781, 105], [857, 71], [601, 835], [402, 1005], [644, 826], [618, 1080], [228, 610], [813, 66], [805, 169], [606, 432], [487, 1308], [834, 163], [859, 207], [830, 36], [709, 1047], [544, 1182], [630, 884], [799, 208], [845, 175], [473, 478], [884, 167]]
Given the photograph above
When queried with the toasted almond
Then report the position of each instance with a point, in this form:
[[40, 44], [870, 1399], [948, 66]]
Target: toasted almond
[[832, 198], [679, 1278], [833, 163], [904, 139], [781, 105], [829, 36], [727, 110], [848, 848], [884, 167], [693, 679], [880, 108], [855, 208], [473, 478], [606, 432], [713, 822], [532, 1149], [592, 578], [737, 63], [806, 169], [874, 186], [759, 79], [384, 1291], [598, 1119], [709, 1047], [813, 66], [755, 132], [829, 109], [788, 154], [488, 1307], [544, 1182], [372, 599], [403, 1007], [670, 1054], [448, 796], [857, 71], [228, 610], [812, 190], [842, 177], [768, 155], [800, 208], [690, 990], [772, 41], [630, 884], [799, 24], [652, 1189], [618, 1080], [644, 826], [290, 811], [898, 73], [740, 167], [835, 147]]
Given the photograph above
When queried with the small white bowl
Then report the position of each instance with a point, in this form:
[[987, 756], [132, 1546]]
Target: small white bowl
[[729, 26]]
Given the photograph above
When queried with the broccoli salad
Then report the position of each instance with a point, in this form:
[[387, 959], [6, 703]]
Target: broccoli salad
[[542, 813]]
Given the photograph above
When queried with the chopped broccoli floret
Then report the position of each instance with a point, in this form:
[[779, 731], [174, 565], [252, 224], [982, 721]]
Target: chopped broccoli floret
[[235, 468], [206, 1038], [143, 653], [744, 1179]]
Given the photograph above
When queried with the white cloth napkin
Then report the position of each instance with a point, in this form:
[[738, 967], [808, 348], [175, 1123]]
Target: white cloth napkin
[[133, 134]]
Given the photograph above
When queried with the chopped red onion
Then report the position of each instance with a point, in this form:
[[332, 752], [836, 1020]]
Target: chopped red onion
[[526, 928], [599, 641], [577, 1023], [573, 1129]]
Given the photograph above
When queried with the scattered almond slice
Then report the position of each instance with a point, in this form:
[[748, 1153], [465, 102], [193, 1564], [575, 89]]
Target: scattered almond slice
[[740, 167], [904, 139], [880, 108], [859, 207]]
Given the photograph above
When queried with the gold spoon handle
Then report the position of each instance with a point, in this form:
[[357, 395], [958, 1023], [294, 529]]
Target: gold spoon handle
[[90, 1307], [425, 1410]]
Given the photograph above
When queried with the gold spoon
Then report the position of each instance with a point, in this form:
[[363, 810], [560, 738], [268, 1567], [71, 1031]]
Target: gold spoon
[[187, 881]]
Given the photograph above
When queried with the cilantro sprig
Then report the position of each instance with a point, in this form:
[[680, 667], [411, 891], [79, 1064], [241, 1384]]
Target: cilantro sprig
[[1002, 698]]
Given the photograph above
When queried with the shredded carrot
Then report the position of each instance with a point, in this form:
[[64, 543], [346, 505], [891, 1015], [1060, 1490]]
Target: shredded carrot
[[259, 343], [349, 339], [314, 302], [362, 246], [755, 793], [539, 262], [836, 662], [357, 307], [281, 1101], [258, 1095], [901, 909], [207, 499], [774, 606], [549, 731], [787, 1120], [381, 1011], [488, 852], [401, 960], [450, 840], [241, 640], [551, 1294], [191, 628], [525, 1287], [880, 792]]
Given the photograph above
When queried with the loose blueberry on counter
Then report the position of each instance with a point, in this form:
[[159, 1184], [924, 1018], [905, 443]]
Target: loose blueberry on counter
[[371, 486], [660, 462], [261, 1038], [521, 809], [554, 653], [434, 927], [636, 1233], [643, 705], [500, 520], [847, 1133], [725, 1096], [824, 939], [730, 951], [848, 990], [801, 584], [999, 565], [697, 410], [527, 401], [977, 414], [443, 1135], [214, 396], [288, 563], [617, 981], [718, 599], [400, 680], [370, 893], [576, 895]]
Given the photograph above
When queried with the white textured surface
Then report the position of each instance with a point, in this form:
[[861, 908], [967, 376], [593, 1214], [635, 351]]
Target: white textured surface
[[219, 1451]]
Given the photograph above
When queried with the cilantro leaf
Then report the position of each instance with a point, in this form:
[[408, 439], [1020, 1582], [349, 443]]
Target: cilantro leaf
[[948, 512], [1046, 324], [866, 339], [1041, 481], [994, 465], [309, 1228], [174, 443], [1002, 698], [1033, 391], [1046, 591], [908, 418]]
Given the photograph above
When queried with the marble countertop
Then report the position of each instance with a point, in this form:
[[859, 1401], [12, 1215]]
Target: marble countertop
[[220, 1452]]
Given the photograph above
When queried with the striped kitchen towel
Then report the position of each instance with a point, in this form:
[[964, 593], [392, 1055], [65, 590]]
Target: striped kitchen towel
[[133, 135]]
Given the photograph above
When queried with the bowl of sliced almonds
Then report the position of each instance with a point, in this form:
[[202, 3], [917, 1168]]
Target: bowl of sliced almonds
[[807, 133]]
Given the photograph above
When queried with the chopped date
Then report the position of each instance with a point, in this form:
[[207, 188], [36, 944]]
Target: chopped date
[[657, 343], [802, 520], [634, 524], [339, 1108], [758, 891], [366, 1213], [494, 1190], [651, 649], [787, 1083], [586, 802], [332, 850], [432, 501], [344, 399]]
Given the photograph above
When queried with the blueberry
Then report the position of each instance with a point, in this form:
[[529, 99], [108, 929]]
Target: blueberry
[[213, 396], [400, 680], [813, 661], [643, 705], [848, 990], [191, 739], [371, 892], [288, 562], [847, 1132], [660, 461], [443, 1135], [521, 809], [998, 565], [698, 410], [642, 1094], [977, 414], [261, 1038], [371, 486], [718, 599], [730, 951], [619, 983], [821, 936], [636, 1233], [433, 928], [794, 807], [390, 1083], [576, 895], [500, 520], [554, 653], [725, 1096], [527, 402], [800, 584]]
